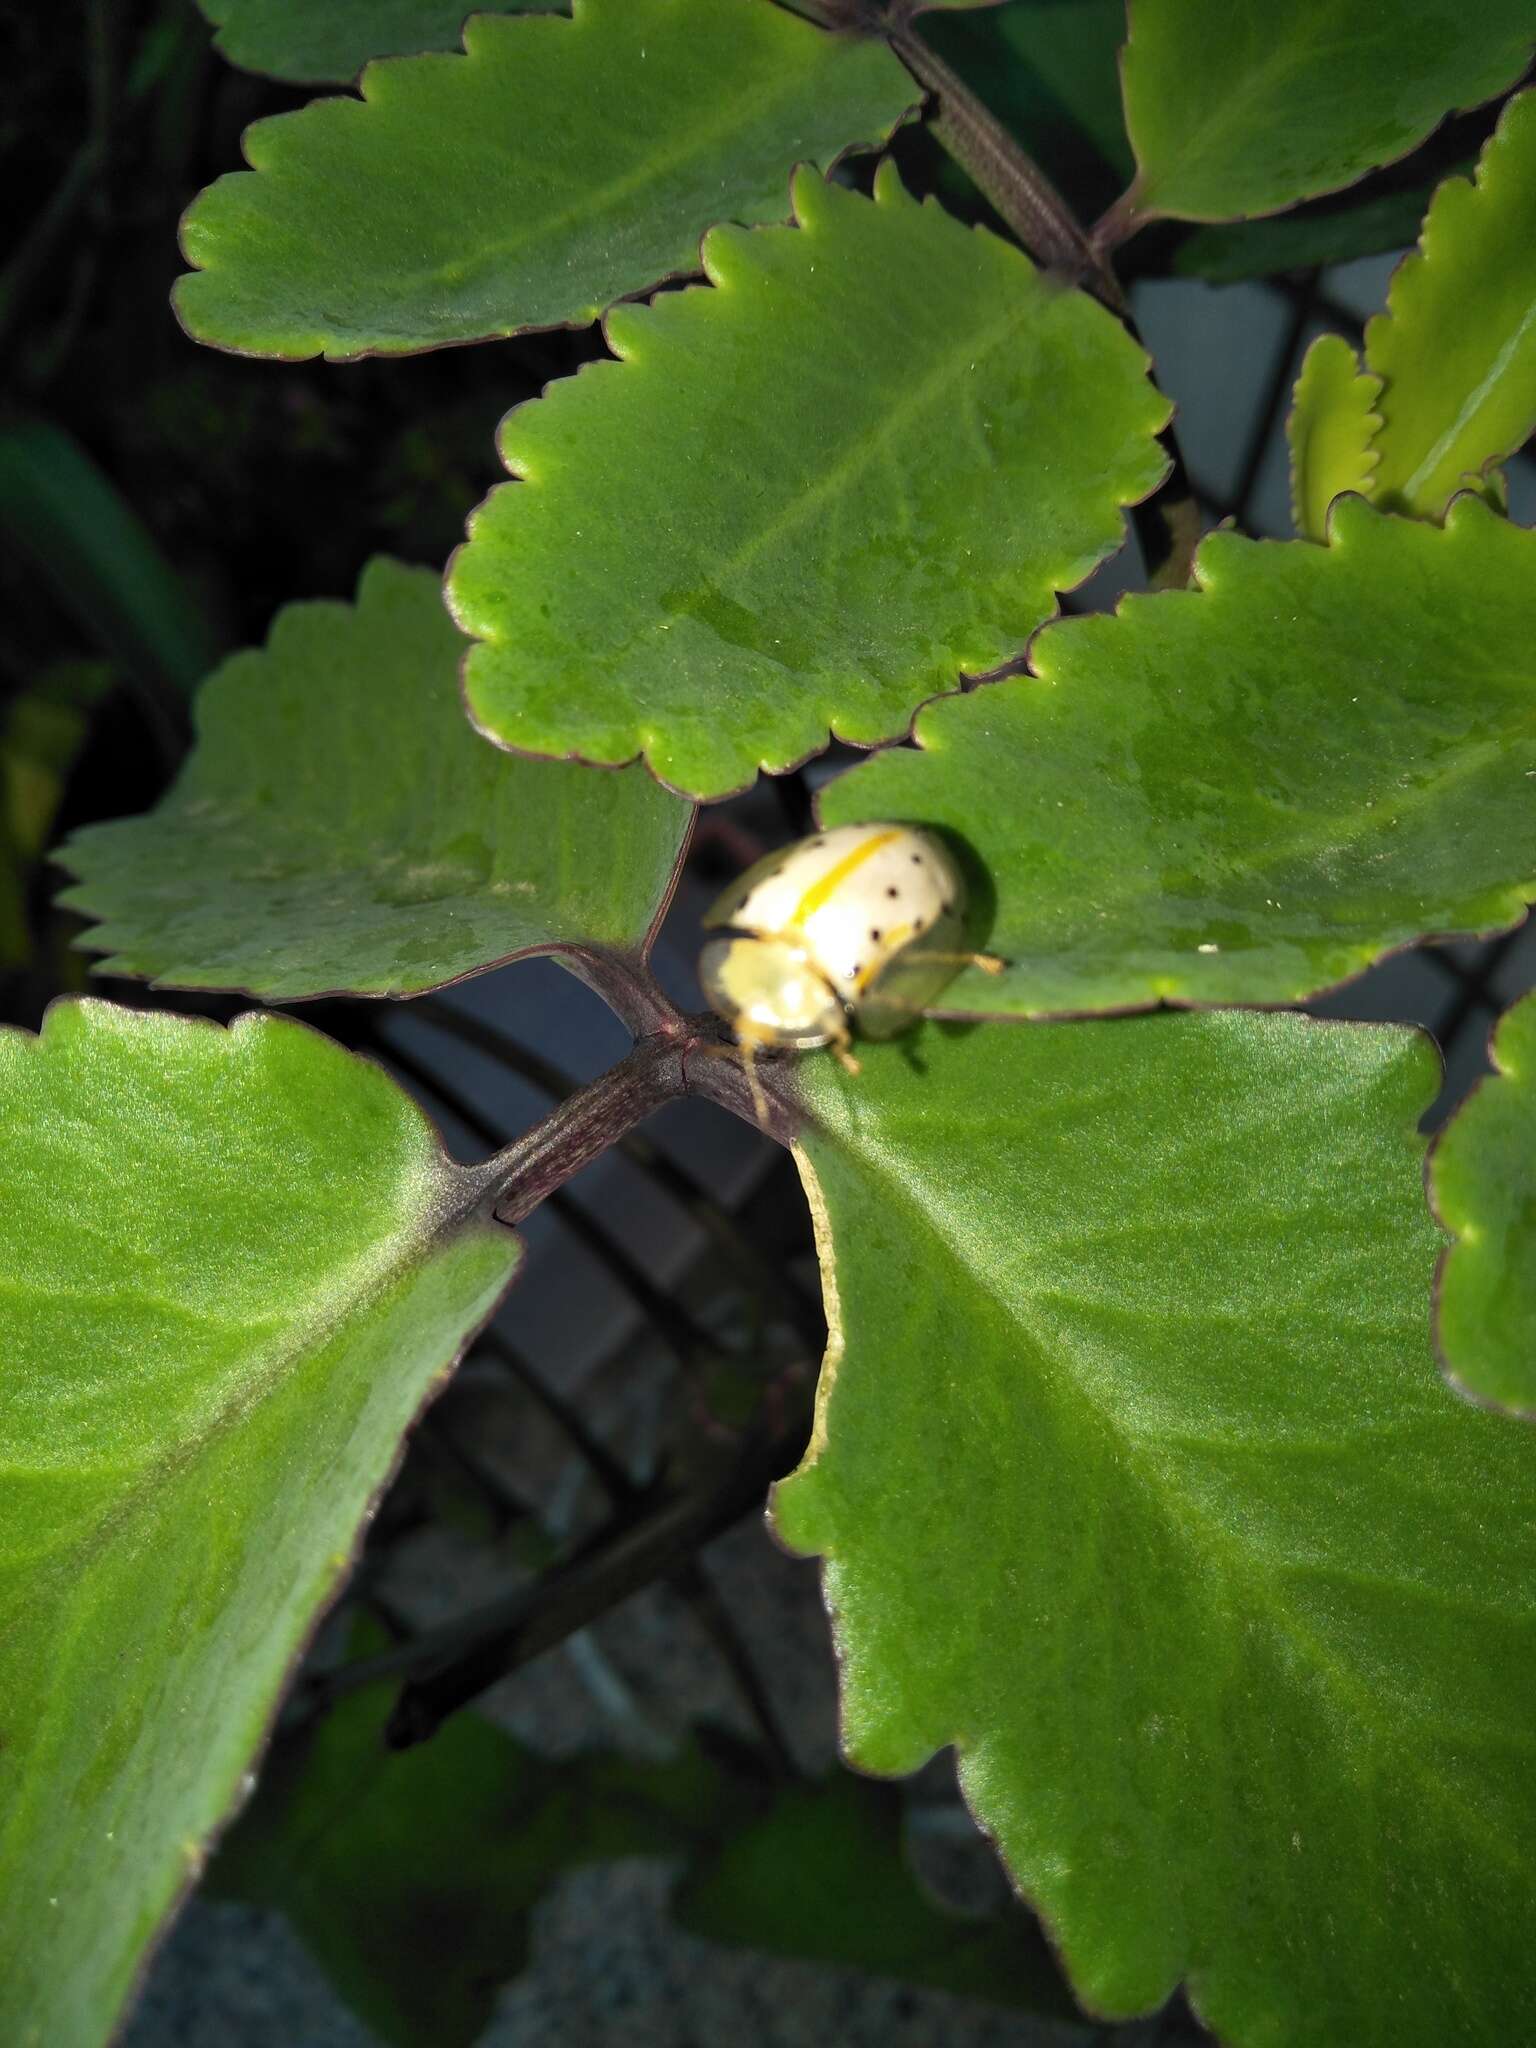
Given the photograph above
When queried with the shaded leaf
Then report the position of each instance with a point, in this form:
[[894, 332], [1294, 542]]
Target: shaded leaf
[[1251, 790], [1329, 431], [1228, 1606], [328, 45], [806, 498], [66, 516], [40, 734], [1456, 347], [339, 827], [556, 167], [1483, 1182], [1300, 97], [822, 1874], [1049, 70], [411, 1875], [15, 939], [1310, 239], [234, 1266]]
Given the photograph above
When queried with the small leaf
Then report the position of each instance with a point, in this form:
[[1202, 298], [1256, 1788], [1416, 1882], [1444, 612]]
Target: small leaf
[[822, 1874], [234, 1265], [1456, 347], [1483, 1183], [556, 167], [1329, 431], [330, 44], [339, 828], [1278, 103], [805, 499], [1137, 1483], [1245, 792]]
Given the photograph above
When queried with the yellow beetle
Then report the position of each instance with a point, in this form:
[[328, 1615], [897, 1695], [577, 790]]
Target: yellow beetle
[[859, 926]]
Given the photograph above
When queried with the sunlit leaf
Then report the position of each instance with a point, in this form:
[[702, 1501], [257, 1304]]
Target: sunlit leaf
[[1483, 1181], [1456, 348], [556, 167], [805, 499], [339, 827], [1271, 105], [329, 44], [1329, 430], [1138, 1484], [1251, 790], [234, 1265]]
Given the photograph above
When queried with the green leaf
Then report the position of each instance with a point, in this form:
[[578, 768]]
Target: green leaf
[[822, 1875], [557, 167], [1456, 348], [1483, 1184], [67, 518], [1330, 429], [1049, 70], [328, 45], [40, 734], [1247, 791], [235, 1264], [1227, 1605], [411, 1876], [339, 827], [804, 499], [1279, 103], [1310, 239]]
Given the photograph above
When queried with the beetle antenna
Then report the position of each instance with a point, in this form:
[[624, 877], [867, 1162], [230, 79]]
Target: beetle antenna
[[748, 1053], [989, 963]]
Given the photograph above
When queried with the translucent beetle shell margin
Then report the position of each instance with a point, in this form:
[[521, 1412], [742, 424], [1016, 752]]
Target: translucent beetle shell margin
[[857, 927]]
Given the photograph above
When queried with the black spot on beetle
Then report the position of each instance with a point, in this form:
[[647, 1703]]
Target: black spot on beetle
[[875, 934], [917, 860], [893, 893]]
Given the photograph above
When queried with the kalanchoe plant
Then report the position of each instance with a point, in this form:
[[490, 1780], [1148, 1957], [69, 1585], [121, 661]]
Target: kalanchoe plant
[[1133, 1464]]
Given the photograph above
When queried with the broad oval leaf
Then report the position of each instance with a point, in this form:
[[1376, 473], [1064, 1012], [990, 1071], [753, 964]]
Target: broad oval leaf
[[328, 45], [1275, 104], [234, 1265], [1248, 791], [1330, 431], [1456, 347], [866, 459], [555, 167], [1137, 1483], [1483, 1183], [340, 829]]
